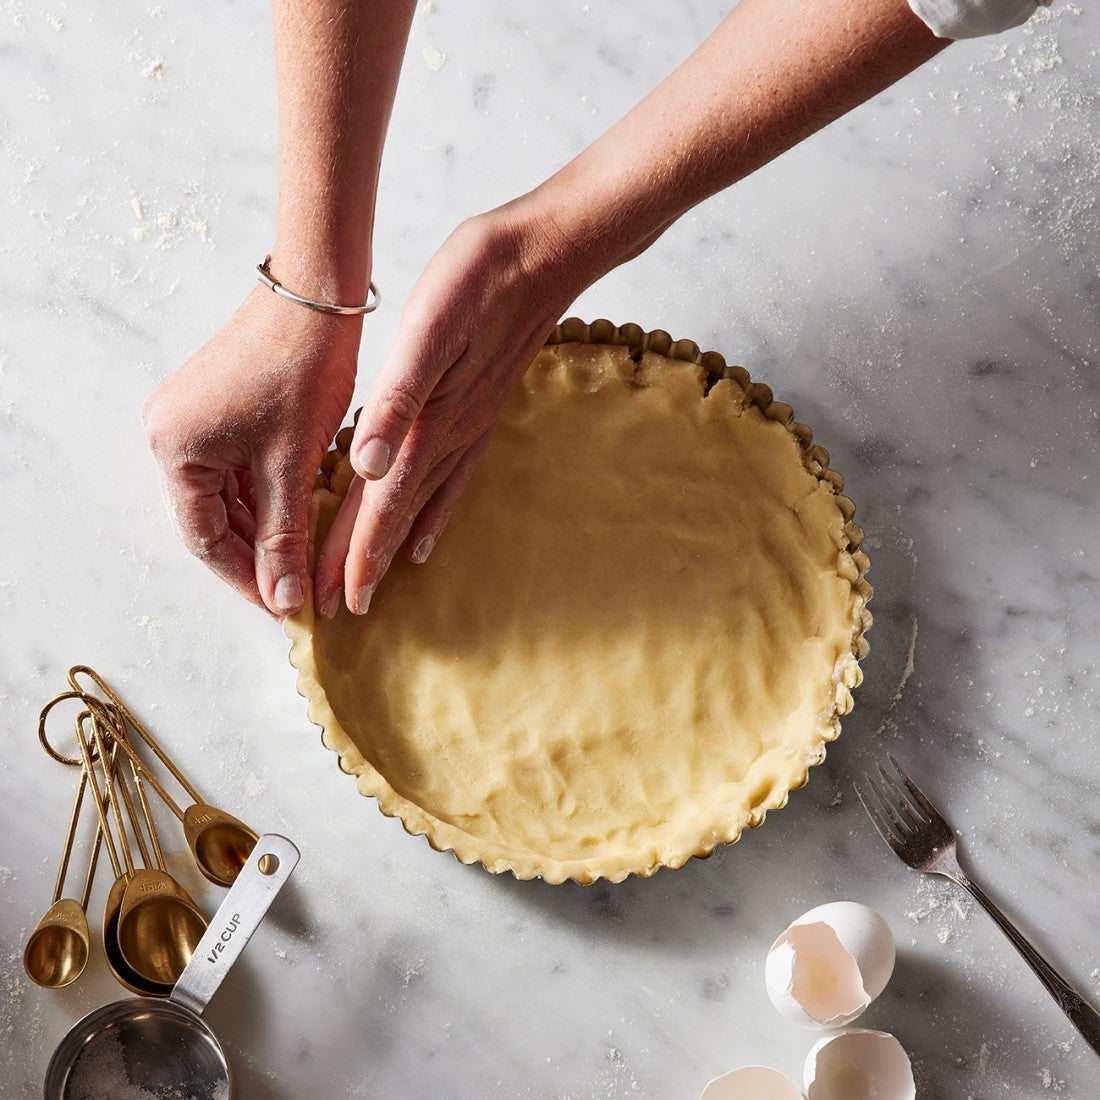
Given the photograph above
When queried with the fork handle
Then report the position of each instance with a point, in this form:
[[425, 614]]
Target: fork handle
[[1082, 1015]]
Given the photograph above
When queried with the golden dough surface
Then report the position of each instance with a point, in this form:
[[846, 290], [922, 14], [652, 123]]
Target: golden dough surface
[[633, 638]]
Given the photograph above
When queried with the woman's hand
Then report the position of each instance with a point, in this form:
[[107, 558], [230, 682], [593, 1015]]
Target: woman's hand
[[239, 432], [474, 321], [488, 298]]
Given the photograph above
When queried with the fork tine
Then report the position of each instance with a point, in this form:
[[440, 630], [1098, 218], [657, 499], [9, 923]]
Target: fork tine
[[930, 811], [898, 800], [892, 802], [878, 809]]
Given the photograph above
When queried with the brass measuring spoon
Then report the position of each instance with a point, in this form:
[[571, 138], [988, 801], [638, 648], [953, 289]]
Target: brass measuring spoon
[[220, 842], [159, 924], [58, 948], [124, 974]]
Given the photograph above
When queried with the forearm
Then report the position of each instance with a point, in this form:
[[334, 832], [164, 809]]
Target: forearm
[[771, 74], [337, 63]]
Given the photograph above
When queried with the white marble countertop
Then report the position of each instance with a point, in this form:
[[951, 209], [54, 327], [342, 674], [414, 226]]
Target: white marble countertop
[[920, 281]]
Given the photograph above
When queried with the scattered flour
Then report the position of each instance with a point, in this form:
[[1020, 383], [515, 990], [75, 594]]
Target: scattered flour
[[910, 665], [942, 905], [155, 629], [413, 969], [907, 671], [1049, 1081]]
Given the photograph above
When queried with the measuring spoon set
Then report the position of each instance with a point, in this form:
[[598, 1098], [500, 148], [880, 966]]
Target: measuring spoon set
[[151, 925]]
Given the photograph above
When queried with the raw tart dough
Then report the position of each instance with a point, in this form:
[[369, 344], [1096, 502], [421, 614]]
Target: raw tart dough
[[636, 634]]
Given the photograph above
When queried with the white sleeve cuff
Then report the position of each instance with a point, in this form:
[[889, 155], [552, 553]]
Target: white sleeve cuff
[[973, 18]]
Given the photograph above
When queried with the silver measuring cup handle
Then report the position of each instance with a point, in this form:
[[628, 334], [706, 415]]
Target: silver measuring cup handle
[[238, 916]]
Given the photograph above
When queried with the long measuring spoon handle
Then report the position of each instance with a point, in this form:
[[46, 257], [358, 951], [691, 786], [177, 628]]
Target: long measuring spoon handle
[[238, 916]]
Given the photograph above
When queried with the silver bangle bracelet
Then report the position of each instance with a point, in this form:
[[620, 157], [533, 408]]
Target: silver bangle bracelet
[[263, 272]]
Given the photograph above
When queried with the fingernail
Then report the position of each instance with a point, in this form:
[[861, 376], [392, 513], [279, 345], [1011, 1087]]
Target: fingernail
[[373, 458], [331, 606], [289, 593], [422, 549], [362, 599]]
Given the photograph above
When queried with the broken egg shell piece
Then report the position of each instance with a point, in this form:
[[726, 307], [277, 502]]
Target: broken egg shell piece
[[830, 964], [858, 1064], [752, 1083]]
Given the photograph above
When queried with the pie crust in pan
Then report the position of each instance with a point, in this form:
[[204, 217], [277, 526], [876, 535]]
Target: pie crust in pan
[[639, 630]]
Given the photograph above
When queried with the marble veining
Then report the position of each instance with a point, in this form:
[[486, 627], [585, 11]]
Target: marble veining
[[919, 281]]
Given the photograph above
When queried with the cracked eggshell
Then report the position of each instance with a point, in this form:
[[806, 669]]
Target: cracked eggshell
[[830, 964], [752, 1083], [858, 1064]]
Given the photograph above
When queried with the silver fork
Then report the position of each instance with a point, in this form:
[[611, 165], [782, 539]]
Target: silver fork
[[921, 838]]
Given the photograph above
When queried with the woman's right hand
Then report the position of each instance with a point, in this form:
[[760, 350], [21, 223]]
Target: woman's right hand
[[477, 316], [239, 432]]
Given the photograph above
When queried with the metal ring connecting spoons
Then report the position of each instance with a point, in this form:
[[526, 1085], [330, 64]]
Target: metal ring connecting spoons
[[57, 950], [220, 842], [61, 758]]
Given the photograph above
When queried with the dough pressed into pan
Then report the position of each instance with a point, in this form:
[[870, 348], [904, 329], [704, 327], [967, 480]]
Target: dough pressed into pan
[[638, 631]]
